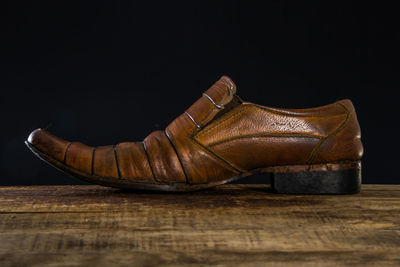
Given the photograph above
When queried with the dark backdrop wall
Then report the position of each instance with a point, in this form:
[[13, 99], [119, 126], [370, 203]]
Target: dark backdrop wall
[[114, 71]]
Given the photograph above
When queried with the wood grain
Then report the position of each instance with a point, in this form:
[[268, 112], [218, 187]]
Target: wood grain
[[230, 225]]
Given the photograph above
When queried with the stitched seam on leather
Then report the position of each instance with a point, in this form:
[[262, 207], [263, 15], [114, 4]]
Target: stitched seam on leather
[[116, 161], [192, 138], [293, 115], [220, 158], [177, 155], [334, 132], [92, 163], [66, 152], [344, 107], [263, 135], [86, 173], [244, 108], [149, 162], [286, 114], [215, 156], [210, 152], [220, 122]]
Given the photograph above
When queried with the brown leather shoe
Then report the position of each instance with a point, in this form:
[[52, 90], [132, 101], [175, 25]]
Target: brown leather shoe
[[221, 138]]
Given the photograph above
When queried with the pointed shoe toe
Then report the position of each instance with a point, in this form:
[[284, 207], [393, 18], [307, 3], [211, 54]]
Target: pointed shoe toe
[[122, 165], [43, 141], [221, 138]]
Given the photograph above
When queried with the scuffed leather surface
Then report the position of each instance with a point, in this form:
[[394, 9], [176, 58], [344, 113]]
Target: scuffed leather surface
[[208, 143]]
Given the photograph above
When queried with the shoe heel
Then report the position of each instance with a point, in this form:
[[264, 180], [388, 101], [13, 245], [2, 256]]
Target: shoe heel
[[331, 178]]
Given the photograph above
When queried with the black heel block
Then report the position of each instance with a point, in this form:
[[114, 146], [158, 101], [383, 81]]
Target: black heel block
[[331, 179]]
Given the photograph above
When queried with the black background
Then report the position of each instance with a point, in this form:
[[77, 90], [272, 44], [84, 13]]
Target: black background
[[112, 71]]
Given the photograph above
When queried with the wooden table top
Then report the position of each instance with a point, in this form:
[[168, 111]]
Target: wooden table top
[[230, 225]]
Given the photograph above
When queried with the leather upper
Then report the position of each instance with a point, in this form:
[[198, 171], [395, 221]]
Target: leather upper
[[218, 137]]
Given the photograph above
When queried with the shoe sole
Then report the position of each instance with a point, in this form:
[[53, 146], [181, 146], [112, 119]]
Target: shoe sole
[[328, 178]]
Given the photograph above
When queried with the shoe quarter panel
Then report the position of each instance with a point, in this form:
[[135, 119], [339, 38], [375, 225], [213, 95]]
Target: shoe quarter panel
[[250, 136]]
